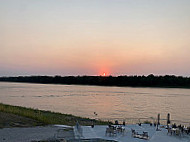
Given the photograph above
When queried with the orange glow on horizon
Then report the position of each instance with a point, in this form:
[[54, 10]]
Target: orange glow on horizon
[[104, 72]]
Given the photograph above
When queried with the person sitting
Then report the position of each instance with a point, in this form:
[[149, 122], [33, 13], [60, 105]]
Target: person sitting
[[188, 130], [154, 124], [92, 124], [169, 131], [109, 124], [116, 122], [174, 126], [123, 123], [182, 129]]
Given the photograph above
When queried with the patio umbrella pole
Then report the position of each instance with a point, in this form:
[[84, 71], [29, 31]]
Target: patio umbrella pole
[[158, 122]]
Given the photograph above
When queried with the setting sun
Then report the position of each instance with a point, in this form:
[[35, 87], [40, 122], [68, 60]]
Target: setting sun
[[104, 74]]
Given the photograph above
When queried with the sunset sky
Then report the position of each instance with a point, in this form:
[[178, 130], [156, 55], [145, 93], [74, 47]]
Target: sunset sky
[[90, 37]]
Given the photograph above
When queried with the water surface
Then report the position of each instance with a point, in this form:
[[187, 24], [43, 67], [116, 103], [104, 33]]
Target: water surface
[[107, 102]]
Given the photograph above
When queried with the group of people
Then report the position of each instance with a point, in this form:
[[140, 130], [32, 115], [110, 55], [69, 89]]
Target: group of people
[[178, 130], [115, 129]]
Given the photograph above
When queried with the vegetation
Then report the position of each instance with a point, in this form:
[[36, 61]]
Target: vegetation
[[134, 81], [147, 122], [8, 120], [45, 117]]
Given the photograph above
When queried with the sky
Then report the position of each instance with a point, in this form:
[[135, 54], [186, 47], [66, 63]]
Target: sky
[[93, 37]]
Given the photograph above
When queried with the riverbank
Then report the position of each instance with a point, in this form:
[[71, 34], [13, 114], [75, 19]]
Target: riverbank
[[17, 116]]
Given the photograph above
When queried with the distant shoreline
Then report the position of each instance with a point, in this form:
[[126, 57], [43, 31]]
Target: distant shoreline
[[167, 81], [174, 87]]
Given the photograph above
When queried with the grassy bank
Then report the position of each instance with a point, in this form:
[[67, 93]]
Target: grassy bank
[[40, 117]]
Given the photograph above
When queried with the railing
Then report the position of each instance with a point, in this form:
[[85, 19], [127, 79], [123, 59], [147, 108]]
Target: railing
[[144, 120]]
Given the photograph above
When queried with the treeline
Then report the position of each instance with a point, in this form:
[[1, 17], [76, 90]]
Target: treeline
[[134, 81]]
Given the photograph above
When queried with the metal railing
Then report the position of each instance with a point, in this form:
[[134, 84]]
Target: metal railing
[[145, 120]]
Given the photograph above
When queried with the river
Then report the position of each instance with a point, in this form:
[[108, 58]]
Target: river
[[107, 102]]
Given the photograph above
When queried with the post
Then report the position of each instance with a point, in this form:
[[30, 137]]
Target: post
[[168, 119], [158, 122]]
